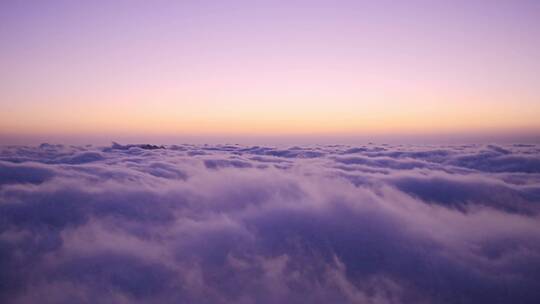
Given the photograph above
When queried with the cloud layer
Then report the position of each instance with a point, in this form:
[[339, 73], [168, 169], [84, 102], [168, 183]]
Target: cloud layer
[[243, 224]]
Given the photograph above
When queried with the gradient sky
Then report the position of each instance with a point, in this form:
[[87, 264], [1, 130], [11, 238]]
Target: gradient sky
[[269, 68]]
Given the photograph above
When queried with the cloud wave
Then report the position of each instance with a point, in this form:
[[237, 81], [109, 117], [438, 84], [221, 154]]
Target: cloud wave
[[237, 224]]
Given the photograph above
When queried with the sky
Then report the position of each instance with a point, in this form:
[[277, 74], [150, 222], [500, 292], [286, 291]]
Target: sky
[[225, 70]]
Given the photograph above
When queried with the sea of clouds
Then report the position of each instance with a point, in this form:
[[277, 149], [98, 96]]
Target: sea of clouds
[[253, 224]]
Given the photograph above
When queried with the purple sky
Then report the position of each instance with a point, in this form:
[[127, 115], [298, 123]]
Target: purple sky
[[240, 69]]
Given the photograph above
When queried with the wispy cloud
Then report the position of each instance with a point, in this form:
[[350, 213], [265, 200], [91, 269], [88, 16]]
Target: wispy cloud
[[238, 224]]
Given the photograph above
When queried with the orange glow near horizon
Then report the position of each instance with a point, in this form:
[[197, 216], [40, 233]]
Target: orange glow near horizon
[[421, 113]]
